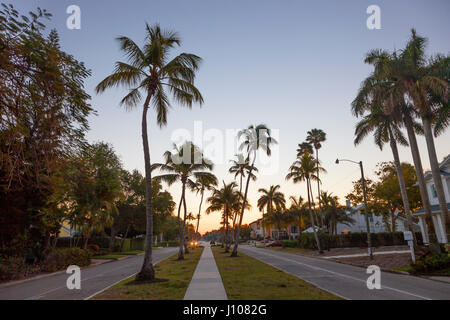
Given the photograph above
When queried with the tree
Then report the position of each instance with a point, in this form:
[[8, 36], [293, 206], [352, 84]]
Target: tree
[[44, 116], [316, 137], [298, 212], [304, 169], [334, 213], [269, 199], [150, 72], [200, 186], [224, 200], [95, 188], [254, 138], [386, 129], [182, 165], [240, 167]]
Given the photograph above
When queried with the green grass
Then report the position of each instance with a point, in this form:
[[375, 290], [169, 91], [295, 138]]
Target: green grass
[[113, 256], [246, 278], [179, 274], [403, 268], [131, 252]]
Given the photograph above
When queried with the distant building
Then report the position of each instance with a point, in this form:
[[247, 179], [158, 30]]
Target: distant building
[[438, 220]]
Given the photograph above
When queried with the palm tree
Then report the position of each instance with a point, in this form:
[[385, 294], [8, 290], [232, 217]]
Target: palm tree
[[255, 138], [224, 200], [240, 167], [315, 137], [386, 130], [189, 217], [276, 217], [303, 148], [149, 73], [200, 186], [298, 212], [183, 164], [334, 213], [304, 169], [269, 199]]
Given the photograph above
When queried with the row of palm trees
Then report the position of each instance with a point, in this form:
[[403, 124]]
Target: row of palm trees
[[406, 90]]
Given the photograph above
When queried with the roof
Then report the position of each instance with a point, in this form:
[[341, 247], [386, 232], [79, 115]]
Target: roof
[[444, 162], [434, 209]]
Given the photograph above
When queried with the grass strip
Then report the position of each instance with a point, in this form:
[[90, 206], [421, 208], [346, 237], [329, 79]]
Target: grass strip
[[178, 274], [246, 278]]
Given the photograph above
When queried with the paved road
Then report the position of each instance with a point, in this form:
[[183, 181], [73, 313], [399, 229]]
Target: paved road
[[206, 283], [93, 280], [349, 281]]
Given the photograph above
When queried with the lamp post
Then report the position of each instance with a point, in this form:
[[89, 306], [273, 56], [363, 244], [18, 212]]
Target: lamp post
[[363, 182]]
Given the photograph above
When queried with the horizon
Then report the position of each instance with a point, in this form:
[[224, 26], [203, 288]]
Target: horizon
[[260, 61]]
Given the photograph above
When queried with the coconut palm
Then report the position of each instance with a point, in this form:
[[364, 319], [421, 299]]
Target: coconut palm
[[201, 185], [149, 74], [304, 169], [315, 137], [254, 138], [240, 167], [303, 148], [334, 213], [224, 200], [182, 165], [269, 199], [386, 129], [298, 212]]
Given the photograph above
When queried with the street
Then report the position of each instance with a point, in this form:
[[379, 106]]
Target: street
[[349, 281], [93, 280]]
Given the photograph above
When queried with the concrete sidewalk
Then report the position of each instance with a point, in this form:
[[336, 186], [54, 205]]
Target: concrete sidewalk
[[206, 284]]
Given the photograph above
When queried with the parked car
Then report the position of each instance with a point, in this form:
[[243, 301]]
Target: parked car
[[274, 244], [212, 243]]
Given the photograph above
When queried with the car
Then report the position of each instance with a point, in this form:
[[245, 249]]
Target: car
[[274, 244], [194, 244], [212, 243]]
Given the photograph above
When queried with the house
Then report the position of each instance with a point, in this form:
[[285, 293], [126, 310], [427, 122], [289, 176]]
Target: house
[[258, 231], [439, 224], [376, 222], [66, 230]]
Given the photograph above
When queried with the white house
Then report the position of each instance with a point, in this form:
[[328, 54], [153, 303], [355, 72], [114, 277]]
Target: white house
[[376, 223], [438, 219]]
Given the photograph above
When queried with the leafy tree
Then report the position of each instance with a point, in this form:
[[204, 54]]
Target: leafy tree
[[44, 116], [150, 73]]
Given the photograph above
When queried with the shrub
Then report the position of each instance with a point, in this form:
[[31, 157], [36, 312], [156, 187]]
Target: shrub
[[433, 263], [60, 259], [172, 243], [93, 248], [12, 268], [289, 243]]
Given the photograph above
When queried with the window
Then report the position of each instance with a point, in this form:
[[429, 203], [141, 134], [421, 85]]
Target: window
[[433, 191]]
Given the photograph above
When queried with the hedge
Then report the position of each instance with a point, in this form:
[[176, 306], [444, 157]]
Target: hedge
[[349, 240], [103, 242], [172, 243], [60, 259]]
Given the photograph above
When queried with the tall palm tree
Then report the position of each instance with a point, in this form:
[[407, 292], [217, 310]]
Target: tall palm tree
[[303, 148], [201, 185], [316, 137], [150, 73], [224, 200], [182, 164], [386, 130], [304, 169], [269, 199], [254, 138], [240, 167]]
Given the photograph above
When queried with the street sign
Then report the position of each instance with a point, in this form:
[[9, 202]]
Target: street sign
[[407, 235]]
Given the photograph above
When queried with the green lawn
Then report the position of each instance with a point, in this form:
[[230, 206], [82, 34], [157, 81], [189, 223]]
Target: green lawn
[[246, 278], [179, 274], [132, 252]]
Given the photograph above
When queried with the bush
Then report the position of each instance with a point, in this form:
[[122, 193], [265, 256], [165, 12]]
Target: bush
[[289, 243], [93, 248], [12, 268], [172, 243], [433, 263], [60, 259]]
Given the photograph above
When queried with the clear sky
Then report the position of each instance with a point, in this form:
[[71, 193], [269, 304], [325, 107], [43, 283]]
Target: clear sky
[[293, 65]]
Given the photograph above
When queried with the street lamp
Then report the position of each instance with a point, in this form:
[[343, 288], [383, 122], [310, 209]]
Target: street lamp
[[363, 182]]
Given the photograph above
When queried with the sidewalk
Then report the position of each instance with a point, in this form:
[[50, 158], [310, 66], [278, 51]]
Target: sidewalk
[[206, 284]]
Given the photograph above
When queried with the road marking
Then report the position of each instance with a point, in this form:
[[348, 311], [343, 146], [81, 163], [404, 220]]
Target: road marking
[[42, 294], [342, 275]]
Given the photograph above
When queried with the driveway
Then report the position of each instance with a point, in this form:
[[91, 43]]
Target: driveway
[[93, 280], [349, 281]]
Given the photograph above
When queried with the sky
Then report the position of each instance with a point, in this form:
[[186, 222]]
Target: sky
[[292, 65]]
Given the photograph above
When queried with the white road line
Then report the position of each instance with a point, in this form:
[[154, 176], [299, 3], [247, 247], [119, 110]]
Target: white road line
[[342, 275]]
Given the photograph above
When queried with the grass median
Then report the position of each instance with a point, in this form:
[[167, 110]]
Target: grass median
[[246, 278], [178, 274]]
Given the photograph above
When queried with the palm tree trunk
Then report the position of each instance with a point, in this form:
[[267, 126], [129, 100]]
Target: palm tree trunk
[[227, 245], [435, 171], [401, 182], [244, 202], [147, 272], [418, 167], [312, 218], [236, 214], [180, 256], [199, 211], [180, 252], [318, 188]]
